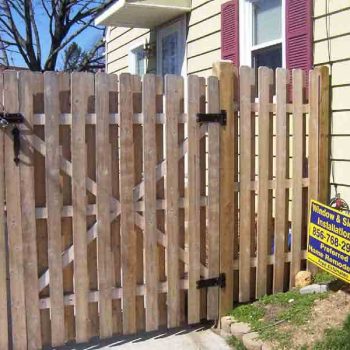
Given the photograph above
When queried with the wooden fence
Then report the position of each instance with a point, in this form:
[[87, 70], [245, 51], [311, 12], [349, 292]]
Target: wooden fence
[[122, 201]]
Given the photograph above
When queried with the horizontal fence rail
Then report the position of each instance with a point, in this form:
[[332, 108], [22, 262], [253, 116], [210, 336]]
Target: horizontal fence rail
[[122, 201]]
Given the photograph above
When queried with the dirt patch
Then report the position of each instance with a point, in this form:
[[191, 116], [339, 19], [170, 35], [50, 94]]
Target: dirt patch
[[326, 313]]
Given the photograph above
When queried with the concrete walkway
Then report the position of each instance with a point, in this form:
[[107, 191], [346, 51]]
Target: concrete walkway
[[191, 338]]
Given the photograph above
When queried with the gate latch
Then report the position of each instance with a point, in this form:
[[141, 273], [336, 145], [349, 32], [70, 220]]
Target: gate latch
[[213, 282], [13, 118], [212, 117]]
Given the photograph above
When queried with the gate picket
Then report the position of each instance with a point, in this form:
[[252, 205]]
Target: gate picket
[[128, 234], [14, 222], [193, 200], [54, 206], [150, 236], [104, 183], [82, 89], [173, 99], [27, 82], [4, 339]]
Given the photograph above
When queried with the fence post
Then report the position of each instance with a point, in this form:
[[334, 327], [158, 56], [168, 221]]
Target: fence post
[[227, 74], [323, 135]]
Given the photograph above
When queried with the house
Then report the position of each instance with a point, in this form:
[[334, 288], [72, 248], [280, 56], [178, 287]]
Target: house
[[186, 37]]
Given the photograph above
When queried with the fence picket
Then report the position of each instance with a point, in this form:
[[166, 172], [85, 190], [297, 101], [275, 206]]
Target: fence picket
[[4, 339], [247, 174], [264, 175], [297, 187], [150, 236], [82, 89], [54, 206], [14, 224], [173, 97], [66, 223], [213, 211], [26, 86], [193, 200], [128, 234], [282, 165], [103, 181], [161, 196]]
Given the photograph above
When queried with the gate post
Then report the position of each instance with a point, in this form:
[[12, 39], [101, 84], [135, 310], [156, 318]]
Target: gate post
[[227, 75]]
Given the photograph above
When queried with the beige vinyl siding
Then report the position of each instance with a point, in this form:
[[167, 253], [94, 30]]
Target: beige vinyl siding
[[332, 48], [203, 40]]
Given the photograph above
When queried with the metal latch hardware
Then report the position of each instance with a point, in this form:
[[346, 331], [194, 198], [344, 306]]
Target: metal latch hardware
[[213, 282], [212, 117], [13, 118]]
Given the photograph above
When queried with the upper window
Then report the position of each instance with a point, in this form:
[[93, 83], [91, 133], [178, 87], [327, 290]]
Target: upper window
[[137, 60], [171, 44], [262, 34]]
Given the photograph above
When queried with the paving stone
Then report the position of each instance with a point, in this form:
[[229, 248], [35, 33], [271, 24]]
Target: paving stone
[[226, 322], [252, 342], [314, 289], [239, 329]]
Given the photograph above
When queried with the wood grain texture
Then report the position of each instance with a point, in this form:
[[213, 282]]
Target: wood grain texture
[[150, 236], [82, 89], [227, 75], [213, 209], [4, 339], [128, 234], [193, 199], [264, 175], [27, 83], [54, 205], [247, 174], [173, 96], [282, 171], [104, 189], [14, 220], [297, 190]]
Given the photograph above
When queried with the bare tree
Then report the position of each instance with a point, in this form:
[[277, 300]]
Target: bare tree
[[67, 19]]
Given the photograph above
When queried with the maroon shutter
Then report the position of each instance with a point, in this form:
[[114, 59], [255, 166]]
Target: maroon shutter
[[230, 32], [299, 34]]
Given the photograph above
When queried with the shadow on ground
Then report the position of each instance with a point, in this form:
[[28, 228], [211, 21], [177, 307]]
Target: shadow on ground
[[119, 341]]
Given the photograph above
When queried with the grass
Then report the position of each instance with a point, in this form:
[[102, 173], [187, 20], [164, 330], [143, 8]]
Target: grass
[[324, 277], [336, 339], [269, 311], [236, 343]]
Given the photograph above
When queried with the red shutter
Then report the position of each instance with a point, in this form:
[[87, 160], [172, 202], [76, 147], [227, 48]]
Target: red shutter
[[299, 34], [230, 32]]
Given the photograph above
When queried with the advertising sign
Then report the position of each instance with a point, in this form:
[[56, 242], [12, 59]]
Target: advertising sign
[[329, 240]]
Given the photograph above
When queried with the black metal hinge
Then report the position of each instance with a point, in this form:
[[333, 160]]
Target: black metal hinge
[[13, 118], [213, 282], [212, 117]]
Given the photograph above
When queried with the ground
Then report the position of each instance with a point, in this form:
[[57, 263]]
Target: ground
[[299, 322], [190, 338]]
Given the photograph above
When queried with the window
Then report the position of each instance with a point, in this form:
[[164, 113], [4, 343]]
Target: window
[[262, 33], [137, 60], [171, 49]]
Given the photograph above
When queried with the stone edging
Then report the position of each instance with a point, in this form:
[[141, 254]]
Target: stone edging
[[242, 331]]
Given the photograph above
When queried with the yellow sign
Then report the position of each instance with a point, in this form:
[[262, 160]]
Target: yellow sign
[[329, 240]]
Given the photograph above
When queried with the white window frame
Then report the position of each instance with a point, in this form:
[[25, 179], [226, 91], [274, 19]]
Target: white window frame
[[132, 56], [177, 26], [246, 46]]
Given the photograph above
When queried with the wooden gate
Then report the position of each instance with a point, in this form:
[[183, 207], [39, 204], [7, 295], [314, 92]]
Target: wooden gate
[[99, 206], [121, 200]]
